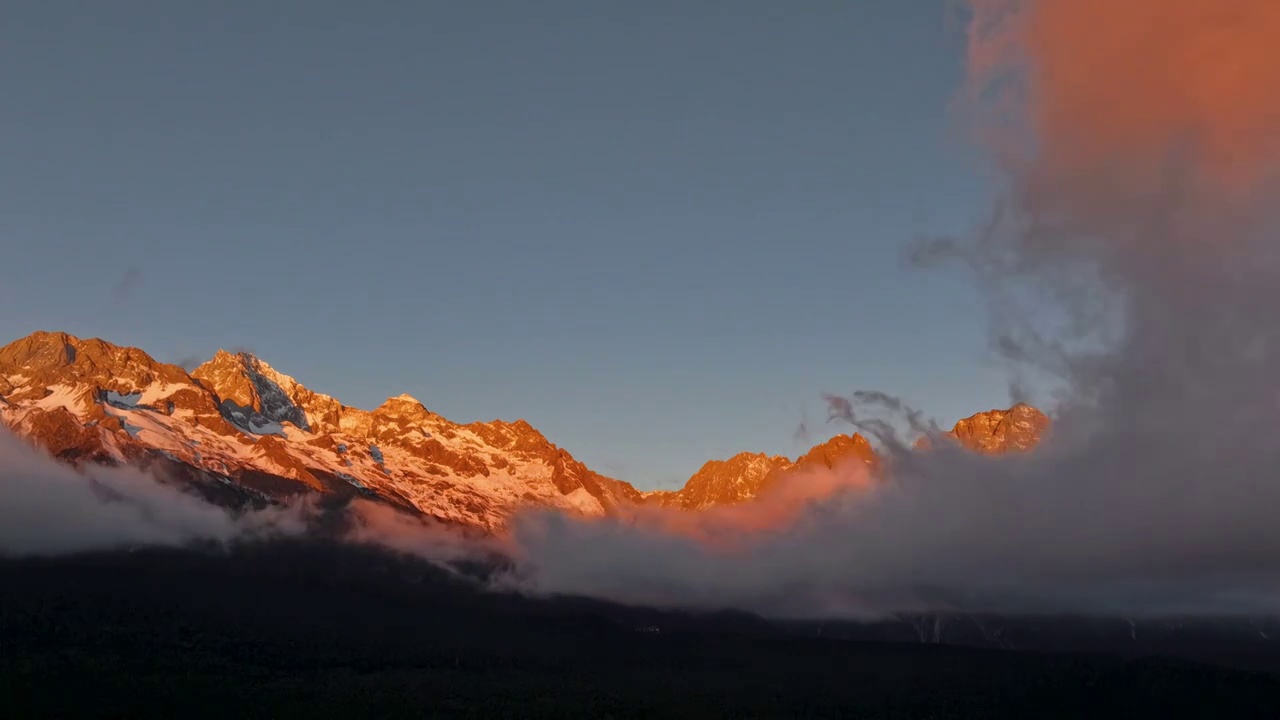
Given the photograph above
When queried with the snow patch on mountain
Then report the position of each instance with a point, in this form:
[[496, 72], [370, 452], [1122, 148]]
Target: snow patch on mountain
[[71, 397], [584, 502]]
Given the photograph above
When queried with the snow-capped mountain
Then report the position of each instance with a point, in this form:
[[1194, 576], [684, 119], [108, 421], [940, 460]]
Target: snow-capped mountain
[[238, 423], [239, 432]]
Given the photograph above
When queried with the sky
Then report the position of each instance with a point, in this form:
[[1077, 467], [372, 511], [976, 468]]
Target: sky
[[657, 231]]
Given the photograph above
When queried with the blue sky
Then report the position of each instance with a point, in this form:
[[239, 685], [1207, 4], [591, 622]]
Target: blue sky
[[659, 231]]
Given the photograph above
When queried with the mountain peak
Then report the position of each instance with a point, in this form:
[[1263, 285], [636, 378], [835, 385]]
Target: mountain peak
[[40, 361], [837, 450], [225, 428], [403, 399], [40, 348], [726, 482], [225, 357], [224, 362], [1024, 410], [999, 431], [403, 404], [47, 336], [251, 384]]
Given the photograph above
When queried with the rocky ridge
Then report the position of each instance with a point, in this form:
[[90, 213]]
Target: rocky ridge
[[237, 423], [241, 431], [746, 476]]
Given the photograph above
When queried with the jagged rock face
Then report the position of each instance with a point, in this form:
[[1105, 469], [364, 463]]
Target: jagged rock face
[[723, 482], [1017, 429], [66, 437], [241, 427], [256, 391], [237, 423], [30, 365], [740, 478], [836, 451], [746, 476]]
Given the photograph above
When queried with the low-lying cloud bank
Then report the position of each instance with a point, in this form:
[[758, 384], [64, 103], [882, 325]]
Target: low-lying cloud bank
[[48, 508], [949, 531], [1132, 255]]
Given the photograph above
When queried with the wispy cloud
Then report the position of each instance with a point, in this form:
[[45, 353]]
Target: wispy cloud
[[1134, 257], [126, 286], [48, 508]]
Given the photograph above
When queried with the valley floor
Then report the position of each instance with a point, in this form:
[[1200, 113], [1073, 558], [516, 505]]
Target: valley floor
[[299, 631]]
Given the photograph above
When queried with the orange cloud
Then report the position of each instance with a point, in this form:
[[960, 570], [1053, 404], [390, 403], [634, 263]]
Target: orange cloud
[[735, 528], [1113, 92]]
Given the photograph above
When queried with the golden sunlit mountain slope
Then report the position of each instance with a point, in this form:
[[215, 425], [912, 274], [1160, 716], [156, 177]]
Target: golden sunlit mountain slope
[[240, 427]]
